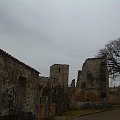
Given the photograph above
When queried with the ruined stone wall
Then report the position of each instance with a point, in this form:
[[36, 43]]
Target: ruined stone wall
[[47, 108], [91, 73], [73, 84], [114, 99], [94, 78], [60, 72], [18, 86], [79, 78]]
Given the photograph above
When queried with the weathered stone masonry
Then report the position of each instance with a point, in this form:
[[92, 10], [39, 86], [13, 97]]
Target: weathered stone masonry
[[92, 83], [18, 86], [26, 96], [60, 72]]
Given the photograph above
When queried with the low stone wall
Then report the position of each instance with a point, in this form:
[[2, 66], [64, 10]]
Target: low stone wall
[[76, 105], [47, 115], [114, 99], [20, 116], [81, 105]]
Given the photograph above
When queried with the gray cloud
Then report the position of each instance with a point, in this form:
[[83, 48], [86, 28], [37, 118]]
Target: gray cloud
[[43, 32]]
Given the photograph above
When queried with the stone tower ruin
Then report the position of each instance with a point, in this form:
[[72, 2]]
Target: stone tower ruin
[[60, 72]]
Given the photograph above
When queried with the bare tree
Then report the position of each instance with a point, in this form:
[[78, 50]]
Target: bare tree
[[112, 52]]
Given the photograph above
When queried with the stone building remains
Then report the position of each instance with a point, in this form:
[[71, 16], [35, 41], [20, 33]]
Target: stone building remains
[[25, 95], [92, 83], [53, 95], [19, 90], [60, 73]]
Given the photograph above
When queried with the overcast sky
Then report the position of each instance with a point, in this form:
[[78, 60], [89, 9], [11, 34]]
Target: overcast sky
[[43, 32]]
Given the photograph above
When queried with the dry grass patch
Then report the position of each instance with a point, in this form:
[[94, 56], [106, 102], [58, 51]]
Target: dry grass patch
[[74, 113]]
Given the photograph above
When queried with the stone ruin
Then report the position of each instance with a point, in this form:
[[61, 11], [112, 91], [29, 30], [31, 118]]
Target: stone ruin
[[24, 95]]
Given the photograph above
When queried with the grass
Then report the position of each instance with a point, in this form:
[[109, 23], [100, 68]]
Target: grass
[[74, 113]]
